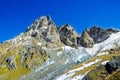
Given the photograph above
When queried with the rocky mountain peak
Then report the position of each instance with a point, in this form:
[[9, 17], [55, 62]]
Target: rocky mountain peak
[[112, 30], [66, 28], [42, 22], [68, 35], [44, 31], [98, 34], [48, 52], [86, 40]]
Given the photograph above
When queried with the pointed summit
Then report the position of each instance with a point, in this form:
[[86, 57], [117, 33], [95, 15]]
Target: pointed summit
[[86, 40], [45, 31], [99, 35], [68, 35], [42, 22]]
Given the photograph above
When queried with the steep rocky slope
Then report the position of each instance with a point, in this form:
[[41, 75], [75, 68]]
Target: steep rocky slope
[[44, 31], [98, 34], [47, 52], [86, 40], [103, 66], [69, 36]]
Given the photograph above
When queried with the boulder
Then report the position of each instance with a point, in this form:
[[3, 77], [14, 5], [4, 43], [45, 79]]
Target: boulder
[[113, 65]]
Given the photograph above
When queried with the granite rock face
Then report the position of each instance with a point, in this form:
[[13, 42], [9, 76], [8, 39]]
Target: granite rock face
[[98, 34], [86, 40], [69, 36], [45, 31], [110, 30]]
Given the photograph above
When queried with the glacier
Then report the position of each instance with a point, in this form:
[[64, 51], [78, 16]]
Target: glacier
[[61, 61]]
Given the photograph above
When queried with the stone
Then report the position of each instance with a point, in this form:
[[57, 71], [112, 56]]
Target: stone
[[11, 63], [113, 65], [68, 35], [45, 31], [86, 40], [99, 35]]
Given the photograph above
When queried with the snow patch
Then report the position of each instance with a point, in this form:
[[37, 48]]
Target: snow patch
[[74, 55], [102, 53], [39, 43], [65, 77], [59, 53], [112, 42], [91, 63], [48, 62], [85, 65], [67, 48], [80, 77], [44, 27], [104, 63], [66, 61], [68, 75]]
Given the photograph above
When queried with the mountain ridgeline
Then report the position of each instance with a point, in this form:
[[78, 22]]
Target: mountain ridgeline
[[49, 52], [45, 31]]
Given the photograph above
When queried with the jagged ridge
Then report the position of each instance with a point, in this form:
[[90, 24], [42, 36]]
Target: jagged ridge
[[44, 48]]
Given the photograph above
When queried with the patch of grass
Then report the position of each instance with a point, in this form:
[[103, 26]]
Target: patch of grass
[[36, 57], [16, 73], [95, 73], [3, 70]]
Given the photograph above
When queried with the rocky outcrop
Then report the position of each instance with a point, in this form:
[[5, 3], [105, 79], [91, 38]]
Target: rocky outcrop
[[111, 30], [33, 57], [11, 62], [98, 34], [45, 31], [68, 35], [86, 40], [113, 65]]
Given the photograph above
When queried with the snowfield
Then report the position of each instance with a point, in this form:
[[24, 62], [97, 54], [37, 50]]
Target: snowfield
[[110, 43], [68, 75], [61, 61]]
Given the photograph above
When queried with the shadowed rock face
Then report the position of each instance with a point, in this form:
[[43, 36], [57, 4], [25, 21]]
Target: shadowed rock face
[[68, 35], [113, 65], [86, 40], [110, 30], [98, 34]]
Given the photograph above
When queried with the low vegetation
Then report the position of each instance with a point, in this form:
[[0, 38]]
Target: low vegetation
[[97, 71], [16, 61]]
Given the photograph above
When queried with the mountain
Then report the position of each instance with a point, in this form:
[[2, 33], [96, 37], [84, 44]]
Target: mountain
[[86, 40], [69, 36], [98, 34], [49, 52]]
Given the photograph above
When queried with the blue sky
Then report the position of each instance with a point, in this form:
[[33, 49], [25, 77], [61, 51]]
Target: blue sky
[[16, 15]]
